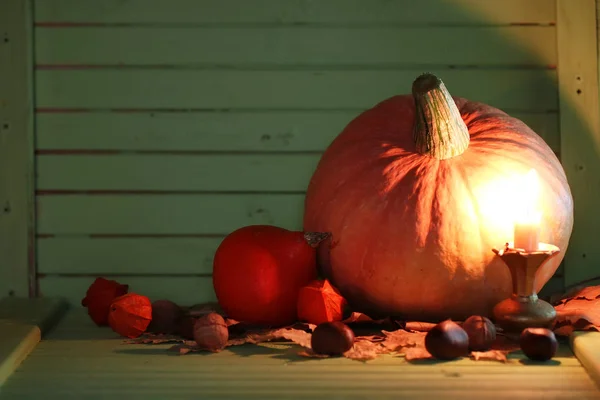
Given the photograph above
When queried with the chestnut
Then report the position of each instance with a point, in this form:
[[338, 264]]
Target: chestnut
[[538, 344], [166, 316], [332, 338], [210, 332], [481, 332], [447, 340]]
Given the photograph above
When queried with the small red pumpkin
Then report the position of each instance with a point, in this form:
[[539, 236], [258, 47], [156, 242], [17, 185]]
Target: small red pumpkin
[[258, 271], [417, 191]]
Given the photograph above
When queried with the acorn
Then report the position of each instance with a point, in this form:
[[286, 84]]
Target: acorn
[[211, 333], [332, 338], [538, 344], [166, 316], [447, 340], [481, 332]]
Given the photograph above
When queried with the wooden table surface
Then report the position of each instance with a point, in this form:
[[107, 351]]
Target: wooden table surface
[[77, 360]]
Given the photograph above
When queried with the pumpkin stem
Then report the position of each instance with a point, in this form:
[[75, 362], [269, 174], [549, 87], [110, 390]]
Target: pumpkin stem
[[439, 131], [315, 238]]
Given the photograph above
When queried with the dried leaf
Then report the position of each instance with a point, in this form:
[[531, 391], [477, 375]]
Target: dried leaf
[[364, 350], [358, 317], [581, 293], [490, 355], [418, 326], [416, 353], [185, 348], [574, 310], [399, 339], [155, 338]]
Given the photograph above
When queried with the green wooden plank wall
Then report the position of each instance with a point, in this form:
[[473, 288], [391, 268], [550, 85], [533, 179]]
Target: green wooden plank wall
[[162, 125]]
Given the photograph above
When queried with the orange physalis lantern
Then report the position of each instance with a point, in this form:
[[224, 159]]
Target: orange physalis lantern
[[320, 302], [130, 315], [99, 297]]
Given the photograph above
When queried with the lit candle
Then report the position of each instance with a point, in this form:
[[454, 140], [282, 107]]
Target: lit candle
[[528, 218]]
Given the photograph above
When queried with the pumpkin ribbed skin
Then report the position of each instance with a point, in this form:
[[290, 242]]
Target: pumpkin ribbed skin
[[411, 234]]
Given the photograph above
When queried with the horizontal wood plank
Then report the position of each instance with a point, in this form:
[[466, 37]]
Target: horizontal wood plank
[[226, 89], [273, 371], [217, 131], [124, 256], [462, 12], [293, 46], [150, 256], [165, 214], [182, 290], [270, 172]]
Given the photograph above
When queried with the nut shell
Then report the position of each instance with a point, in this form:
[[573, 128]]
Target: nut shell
[[538, 344], [332, 338], [210, 332], [166, 316], [447, 341], [481, 332]]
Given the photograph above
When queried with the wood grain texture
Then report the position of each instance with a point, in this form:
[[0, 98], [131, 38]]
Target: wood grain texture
[[23, 322], [267, 131], [186, 290], [298, 46], [16, 150], [166, 214], [532, 90], [586, 347], [461, 12], [218, 172], [580, 128], [121, 256], [272, 371]]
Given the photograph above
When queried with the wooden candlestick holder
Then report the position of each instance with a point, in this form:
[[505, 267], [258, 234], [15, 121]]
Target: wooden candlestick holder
[[523, 309]]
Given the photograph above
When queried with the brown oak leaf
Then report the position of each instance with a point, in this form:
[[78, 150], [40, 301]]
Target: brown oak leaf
[[400, 338], [364, 350], [575, 310], [416, 353], [418, 326], [578, 293], [490, 355], [155, 338]]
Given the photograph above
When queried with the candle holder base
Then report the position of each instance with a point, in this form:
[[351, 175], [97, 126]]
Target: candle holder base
[[524, 309], [516, 313]]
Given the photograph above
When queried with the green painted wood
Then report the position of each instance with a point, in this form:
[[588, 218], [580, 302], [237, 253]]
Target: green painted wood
[[107, 256], [580, 131], [460, 12], [216, 172], [184, 290], [526, 89], [23, 322], [166, 214], [80, 360], [299, 46], [217, 131], [16, 149], [148, 255]]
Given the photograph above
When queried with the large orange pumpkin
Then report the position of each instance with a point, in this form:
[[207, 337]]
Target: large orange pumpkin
[[417, 190]]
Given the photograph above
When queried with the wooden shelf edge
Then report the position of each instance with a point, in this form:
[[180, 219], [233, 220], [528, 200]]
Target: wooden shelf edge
[[586, 347], [23, 322]]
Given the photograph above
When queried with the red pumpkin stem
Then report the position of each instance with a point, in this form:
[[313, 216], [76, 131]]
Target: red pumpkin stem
[[315, 238], [440, 131]]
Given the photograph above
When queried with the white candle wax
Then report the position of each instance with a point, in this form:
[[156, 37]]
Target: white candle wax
[[527, 235], [527, 220]]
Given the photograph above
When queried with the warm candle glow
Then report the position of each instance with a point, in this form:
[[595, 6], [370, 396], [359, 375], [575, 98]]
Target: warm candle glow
[[528, 217]]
